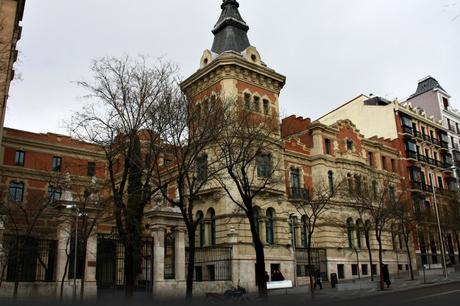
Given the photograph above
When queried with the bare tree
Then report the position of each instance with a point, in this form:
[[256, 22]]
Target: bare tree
[[314, 209], [249, 150], [123, 119], [376, 204], [406, 221], [22, 217], [190, 130]]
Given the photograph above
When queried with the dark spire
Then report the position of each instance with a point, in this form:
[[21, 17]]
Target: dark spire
[[230, 31], [427, 84]]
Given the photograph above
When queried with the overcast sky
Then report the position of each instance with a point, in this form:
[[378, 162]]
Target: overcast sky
[[329, 50]]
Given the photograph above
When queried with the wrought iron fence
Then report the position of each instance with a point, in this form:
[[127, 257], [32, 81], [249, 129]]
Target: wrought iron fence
[[30, 259], [318, 261], [212, 264]]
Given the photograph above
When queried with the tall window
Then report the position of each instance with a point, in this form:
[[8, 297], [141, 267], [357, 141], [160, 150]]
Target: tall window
[[54, 194], [16, 191], [367, 233], [349, 145], [201, 230], [19, 158], [350, 183], [266, 105], [374, 189], [330, 179], [256, 217], [327, 146], [295, 178], [256, 104], [247, 101], [350, 232], [292, 225], [384, 163], [202, 168], [213, 226], [359, 229], [264, 166], [304, 231], [392, 194], [57, 162], [91, 169], [393, 165], [370, 158], [269, 226]]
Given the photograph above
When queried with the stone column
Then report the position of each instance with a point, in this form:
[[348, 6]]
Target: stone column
[[91, 257], [298, 234], [158, 234], [179, 254]]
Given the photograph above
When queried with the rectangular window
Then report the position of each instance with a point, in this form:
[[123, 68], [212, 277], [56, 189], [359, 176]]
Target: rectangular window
[[211, 271], [393, 165], [423, 131], [264, 167], [440, 183], [19, 158], [384, 163], [91, 169], [370, 158], [364, 269], [354, 270], [54, 194], [445, 103], [295, 178], [327, 146], [349, 145], [202, 168], [57, 162], [341, 271], [400, 267], [266, 107], [199, 273], [374, 269], [16, 191], [407, 122]]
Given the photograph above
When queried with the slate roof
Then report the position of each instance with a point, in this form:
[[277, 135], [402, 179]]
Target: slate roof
[[427, 85], [230, 31]]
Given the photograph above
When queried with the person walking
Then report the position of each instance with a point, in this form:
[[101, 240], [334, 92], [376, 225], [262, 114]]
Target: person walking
[[386, 275], [318, 279]]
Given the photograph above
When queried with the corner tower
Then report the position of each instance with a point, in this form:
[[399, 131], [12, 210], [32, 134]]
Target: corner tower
[[233, 68]]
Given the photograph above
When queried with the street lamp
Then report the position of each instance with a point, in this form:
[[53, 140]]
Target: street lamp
[[443, 254]]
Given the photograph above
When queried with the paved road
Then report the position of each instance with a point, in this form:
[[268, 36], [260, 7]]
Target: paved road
[[442, 295]]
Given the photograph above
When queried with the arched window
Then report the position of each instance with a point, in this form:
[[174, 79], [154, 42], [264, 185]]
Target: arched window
[[330, 179], [304, 231], [350, 232], [256, 216], [367, 233], [359, 229], [212, 229], [269, 226], [201, 237]]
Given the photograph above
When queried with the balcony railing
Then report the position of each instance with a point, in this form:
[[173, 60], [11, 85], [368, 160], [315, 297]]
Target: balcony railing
[[297, 193]]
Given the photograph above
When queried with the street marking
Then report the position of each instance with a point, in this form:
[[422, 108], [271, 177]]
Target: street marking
[[435, 295]]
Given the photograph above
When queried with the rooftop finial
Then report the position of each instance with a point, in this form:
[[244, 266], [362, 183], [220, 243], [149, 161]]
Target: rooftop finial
[[230, 31]]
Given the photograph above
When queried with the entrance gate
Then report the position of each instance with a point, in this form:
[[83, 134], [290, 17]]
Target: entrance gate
[[110, 272]]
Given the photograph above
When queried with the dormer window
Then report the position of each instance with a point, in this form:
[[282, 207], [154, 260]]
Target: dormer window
[[349, 145]]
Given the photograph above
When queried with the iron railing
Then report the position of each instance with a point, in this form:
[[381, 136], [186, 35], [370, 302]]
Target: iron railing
[[212, 264]]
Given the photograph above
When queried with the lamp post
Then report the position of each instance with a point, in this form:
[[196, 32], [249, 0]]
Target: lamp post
[[77, 212], [443, 254]]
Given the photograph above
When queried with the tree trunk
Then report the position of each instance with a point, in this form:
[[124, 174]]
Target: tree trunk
[[310, 270], [129, 270], [191, 265], [16, 269], [382, 287], [61, 293], [83, 274], [260, 268], [409, 257], [371, 262]]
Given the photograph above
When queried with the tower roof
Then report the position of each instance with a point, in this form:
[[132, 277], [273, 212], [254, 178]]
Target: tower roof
[[230, 31], [427, 84]]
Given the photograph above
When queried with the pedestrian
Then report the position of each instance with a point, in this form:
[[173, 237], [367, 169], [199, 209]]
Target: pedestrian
[[318, 279], [386, 275]]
